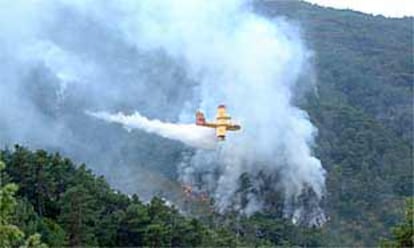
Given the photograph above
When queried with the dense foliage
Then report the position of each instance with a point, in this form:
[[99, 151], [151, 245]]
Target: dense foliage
[[364, 114], [10, 234], [403, 233], [363, 109], [68, 205]]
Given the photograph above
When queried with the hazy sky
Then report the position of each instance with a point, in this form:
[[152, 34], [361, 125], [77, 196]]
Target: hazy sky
[[389, 8]]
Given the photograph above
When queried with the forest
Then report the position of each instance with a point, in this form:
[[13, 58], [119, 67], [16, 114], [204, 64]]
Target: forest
[[47, 201], [363, 111]]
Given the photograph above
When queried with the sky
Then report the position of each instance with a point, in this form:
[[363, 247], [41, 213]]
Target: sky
[[388, 8]]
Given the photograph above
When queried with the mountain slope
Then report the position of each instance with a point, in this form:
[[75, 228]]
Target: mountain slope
[[364, 113], [362, 108], [69, 206]]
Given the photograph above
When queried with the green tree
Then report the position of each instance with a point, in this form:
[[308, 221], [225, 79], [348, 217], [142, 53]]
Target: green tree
[[78, 216], [403, 234], [11, 235], [132, 227]]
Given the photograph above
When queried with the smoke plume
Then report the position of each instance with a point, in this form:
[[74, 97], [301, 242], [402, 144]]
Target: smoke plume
[[188, 134], [165, 59]]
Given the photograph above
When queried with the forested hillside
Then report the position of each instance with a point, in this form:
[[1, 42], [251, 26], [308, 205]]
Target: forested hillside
[[69, 206], [362, 60], [362, 106], [363, 109]]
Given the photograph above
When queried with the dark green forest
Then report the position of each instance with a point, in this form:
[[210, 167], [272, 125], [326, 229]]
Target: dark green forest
[[363, 108], [364, 111], [49, 201], [69, 206]]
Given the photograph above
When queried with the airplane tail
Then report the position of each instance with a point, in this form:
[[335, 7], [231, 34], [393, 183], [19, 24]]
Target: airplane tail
[[200, 119]]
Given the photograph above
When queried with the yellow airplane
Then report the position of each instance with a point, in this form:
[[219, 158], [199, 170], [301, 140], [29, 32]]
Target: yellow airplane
[[222, 124]]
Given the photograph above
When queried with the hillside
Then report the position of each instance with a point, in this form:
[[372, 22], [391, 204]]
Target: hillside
[[69, 206], [363, 73], [364, 113], [362, 60]]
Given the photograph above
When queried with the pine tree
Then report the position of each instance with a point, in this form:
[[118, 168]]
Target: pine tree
[[11, 235], [78, 216], [403, 234]]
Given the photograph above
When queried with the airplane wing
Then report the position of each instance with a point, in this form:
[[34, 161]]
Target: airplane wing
[[233, 127]]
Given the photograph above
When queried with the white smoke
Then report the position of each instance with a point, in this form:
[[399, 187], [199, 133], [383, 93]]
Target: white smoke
[[189, 134], [227, 53], [252, 65]]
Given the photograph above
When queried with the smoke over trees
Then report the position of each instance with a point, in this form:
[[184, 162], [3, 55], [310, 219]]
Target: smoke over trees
[[151, 57], [62, 58]]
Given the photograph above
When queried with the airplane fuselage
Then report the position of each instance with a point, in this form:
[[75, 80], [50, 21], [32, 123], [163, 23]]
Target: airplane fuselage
[[222, 124]]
